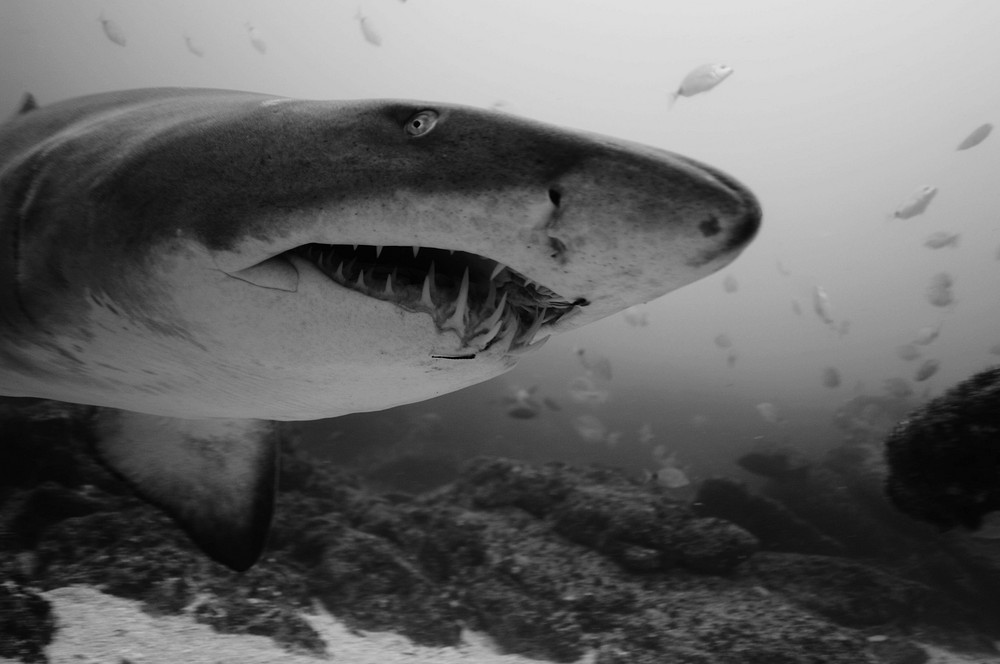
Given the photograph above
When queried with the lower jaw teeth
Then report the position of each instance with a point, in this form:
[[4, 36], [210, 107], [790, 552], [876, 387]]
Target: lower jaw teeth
[[496, 321]]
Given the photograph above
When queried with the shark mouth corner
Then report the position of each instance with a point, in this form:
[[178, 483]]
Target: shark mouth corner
[[487, 304]]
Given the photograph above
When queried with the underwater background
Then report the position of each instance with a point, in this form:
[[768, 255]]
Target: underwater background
[[836, 113], [831, 326]]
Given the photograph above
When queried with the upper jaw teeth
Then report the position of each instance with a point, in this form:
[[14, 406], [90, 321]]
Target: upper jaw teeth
[[488, 304]]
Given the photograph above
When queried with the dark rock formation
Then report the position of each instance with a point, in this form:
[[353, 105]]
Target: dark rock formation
[[944, 458], [777, 527]]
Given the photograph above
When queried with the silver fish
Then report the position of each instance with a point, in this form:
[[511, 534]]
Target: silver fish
[[701, 79], [977, 136]]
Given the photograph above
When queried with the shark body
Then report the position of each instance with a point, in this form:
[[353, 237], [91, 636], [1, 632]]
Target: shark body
[[201, 262]]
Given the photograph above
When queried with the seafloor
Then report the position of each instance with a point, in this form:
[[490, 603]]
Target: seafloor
[[552, 562]]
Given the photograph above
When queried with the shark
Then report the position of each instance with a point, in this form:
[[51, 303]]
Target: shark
[[198, 265]]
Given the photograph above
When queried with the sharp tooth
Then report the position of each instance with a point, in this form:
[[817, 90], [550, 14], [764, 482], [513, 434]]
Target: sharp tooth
[[388, 286], [425, 294], [339, 273], [491, 334], [355, 247], [457, 320], [530, 333], [378, 250], [415, 250], [491, 322], [491, 296], [345, 269], [497, 269], [451, 252], [360, 281], [537, 344]]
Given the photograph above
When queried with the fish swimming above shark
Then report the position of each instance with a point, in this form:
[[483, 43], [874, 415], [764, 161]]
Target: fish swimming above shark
[[201, 263]]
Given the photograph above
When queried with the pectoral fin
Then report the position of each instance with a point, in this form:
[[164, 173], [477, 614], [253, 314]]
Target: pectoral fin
[[215, 477]]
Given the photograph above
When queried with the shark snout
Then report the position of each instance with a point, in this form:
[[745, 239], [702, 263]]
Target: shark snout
[[732, 216], [630, 223]]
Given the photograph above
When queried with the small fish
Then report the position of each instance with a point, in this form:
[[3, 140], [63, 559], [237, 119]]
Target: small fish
[[941, 239], [368, 30], [844, 327], [646, 433], [926, 370], [729, 284], [731, 358], [596, 365], [782, 270], [256, 39], [112, 30], [192, 47], [591, 429], [977, 136], [939, 291], [669, 473], [907, 352], [831, 377], [521, 411], [821, 305], [523, 405], [917, 203], [583, 389], [897, 388], [927, 334], [701, 79], [723, 341], [670, 477], [613, 438], [768, 412], [551, 403]]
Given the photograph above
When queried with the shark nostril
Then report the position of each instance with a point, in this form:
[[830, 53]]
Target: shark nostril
[[558, 248], [710, 227], [555, 196]]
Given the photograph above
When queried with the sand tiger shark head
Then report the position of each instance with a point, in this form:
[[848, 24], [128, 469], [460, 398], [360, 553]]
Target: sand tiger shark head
[[211, 253], [200, 261]]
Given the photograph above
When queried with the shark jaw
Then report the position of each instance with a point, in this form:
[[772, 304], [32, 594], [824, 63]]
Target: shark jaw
[[487, 304]]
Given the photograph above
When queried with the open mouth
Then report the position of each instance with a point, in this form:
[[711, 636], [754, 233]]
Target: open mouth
[[484, 302]]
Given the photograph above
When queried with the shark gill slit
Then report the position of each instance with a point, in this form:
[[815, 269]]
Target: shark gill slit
[[482, 301]]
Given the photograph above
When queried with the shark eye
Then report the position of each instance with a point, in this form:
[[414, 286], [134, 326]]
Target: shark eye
[[420, 123]]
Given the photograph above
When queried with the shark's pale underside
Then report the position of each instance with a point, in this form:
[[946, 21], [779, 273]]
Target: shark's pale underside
[[199, 263]]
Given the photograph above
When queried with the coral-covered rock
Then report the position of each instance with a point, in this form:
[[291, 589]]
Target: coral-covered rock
[[777, 527], [711, 545], [847, 592], [551, 561], [944, 457], [491, 482]]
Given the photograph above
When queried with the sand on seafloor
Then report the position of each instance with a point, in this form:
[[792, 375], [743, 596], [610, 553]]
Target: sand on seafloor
[[95, 628]]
